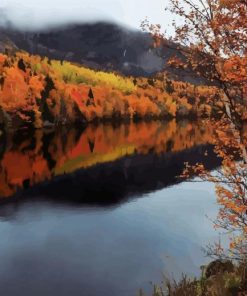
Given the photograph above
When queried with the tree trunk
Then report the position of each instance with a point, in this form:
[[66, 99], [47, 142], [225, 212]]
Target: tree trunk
[[234, 127]]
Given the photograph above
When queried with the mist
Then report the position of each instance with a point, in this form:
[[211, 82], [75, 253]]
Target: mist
[[42, 14]]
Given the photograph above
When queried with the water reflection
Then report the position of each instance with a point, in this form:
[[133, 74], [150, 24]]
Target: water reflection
[[29, 159], [46, 249], [55, 241]]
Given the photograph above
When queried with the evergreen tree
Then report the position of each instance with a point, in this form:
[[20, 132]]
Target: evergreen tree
[[91, 145], [44, 108], [151, 82], [21, 65], [169, 87], [90, 100], [1, 81], [90, 94]]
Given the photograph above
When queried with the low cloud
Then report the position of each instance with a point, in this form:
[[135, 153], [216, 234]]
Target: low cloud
[[40, 14], [33, 15]]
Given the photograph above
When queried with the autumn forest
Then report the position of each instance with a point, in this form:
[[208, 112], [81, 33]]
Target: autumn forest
[[123, 150], [36, 91]]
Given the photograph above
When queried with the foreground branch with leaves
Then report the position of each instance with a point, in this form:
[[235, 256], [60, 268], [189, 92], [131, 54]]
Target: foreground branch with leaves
[[214, 39], [214, 43]]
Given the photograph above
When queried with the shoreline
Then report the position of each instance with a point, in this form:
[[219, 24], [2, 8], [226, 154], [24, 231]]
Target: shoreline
[[82, 124]]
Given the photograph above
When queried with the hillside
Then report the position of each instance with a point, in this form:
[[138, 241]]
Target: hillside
[[39, 92], [102, 46]]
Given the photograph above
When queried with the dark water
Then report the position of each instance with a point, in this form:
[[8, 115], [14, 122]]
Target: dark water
[[101, 211]]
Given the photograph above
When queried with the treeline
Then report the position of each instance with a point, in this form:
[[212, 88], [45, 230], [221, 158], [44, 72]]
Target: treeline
[[41, 92]]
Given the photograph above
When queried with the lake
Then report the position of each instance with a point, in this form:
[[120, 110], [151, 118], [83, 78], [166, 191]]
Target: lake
[[101, 210]]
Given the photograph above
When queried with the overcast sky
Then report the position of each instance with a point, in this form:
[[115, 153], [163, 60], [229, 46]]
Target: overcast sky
[[40, 13]]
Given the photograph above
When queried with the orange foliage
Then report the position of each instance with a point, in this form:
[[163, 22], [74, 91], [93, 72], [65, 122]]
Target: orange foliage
[[65, 98]]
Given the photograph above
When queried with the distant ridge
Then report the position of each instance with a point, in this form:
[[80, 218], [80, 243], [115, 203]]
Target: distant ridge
[[101, 46]]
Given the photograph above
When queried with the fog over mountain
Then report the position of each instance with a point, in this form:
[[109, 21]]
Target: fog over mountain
[[101, 46], [40, 14], [100, 34]]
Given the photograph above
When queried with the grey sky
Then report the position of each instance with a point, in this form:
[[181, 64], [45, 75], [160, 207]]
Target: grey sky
[[40, 13]]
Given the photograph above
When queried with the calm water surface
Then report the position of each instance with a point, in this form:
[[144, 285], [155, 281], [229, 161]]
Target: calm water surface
[[101, 211]]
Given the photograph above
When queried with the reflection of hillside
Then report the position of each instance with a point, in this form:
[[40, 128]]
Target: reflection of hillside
[[113, 183], [31, 159]]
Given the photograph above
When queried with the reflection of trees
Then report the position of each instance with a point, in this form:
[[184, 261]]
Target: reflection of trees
[[43, 154]]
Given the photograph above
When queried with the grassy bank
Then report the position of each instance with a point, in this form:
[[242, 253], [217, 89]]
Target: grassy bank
[[219, 278]]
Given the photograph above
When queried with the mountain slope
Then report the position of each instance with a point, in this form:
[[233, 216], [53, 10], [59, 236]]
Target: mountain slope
[[102, 46], [6, 44], [37, 91]]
